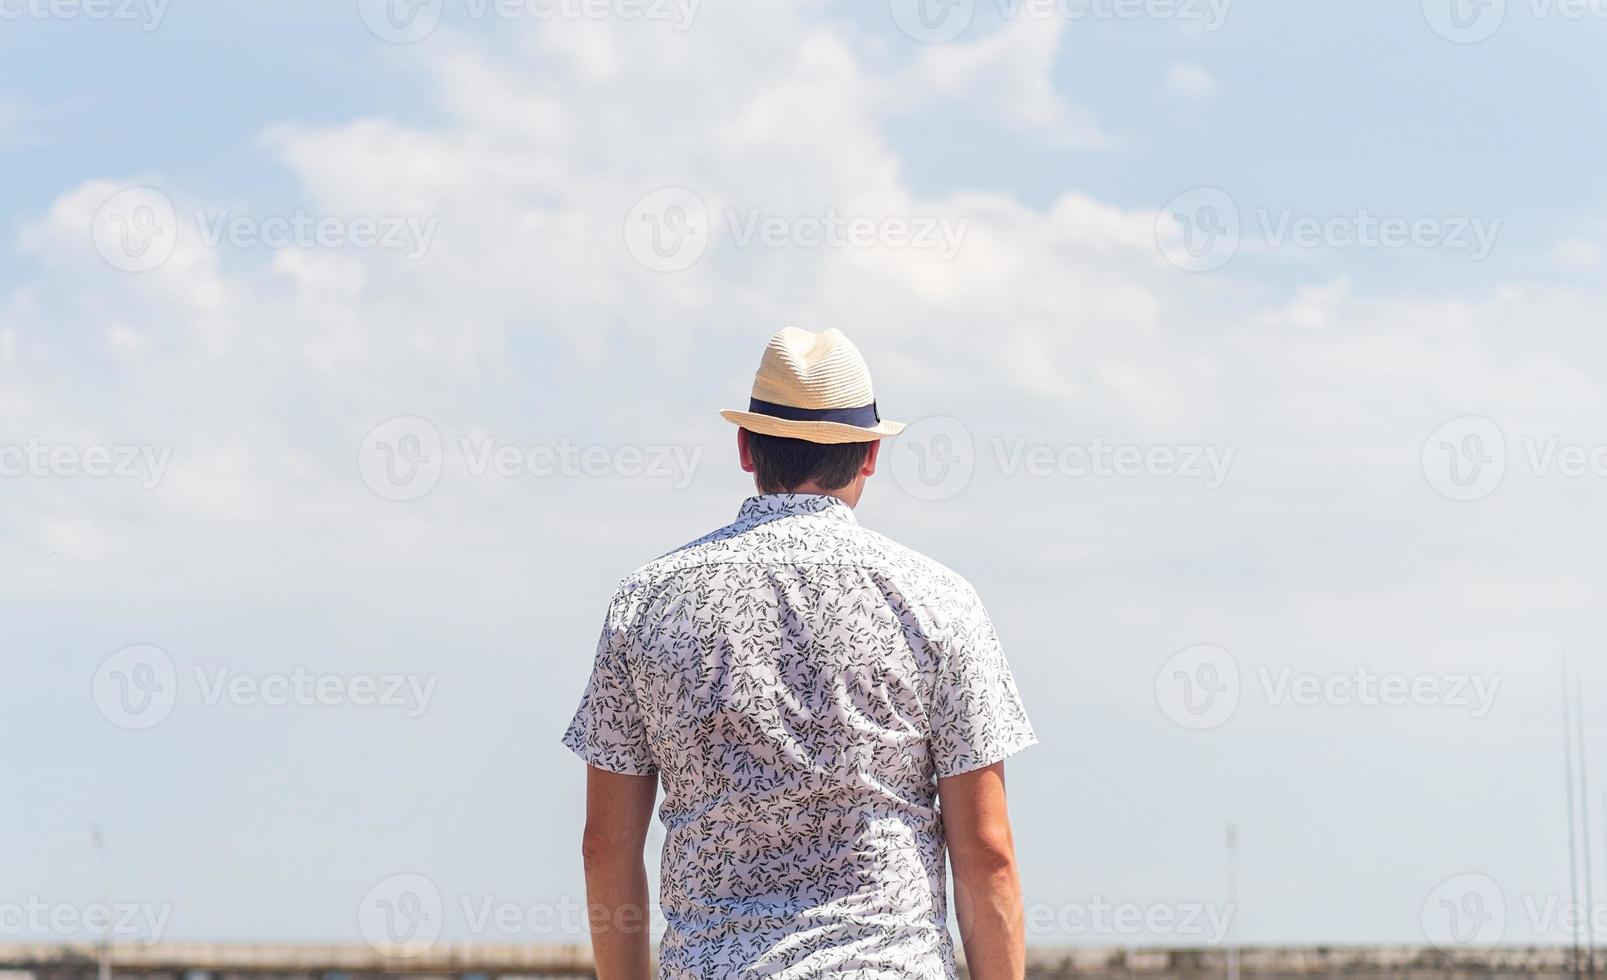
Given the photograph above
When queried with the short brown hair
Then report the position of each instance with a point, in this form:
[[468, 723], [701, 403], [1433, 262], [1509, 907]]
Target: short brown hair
[[782, 464]]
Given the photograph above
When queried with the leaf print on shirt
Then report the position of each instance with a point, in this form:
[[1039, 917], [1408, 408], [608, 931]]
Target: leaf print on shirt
[[799, 683]]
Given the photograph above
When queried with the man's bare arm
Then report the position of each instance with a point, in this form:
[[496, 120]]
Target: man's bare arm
[[987, 891], [619, 808]]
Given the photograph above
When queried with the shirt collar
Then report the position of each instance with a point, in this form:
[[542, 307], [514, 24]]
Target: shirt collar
[[768, 506]]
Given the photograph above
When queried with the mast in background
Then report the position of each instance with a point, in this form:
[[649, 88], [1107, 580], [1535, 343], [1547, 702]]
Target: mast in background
[[1573, 834], [1233, 901], [99, 841], [1584, 818]]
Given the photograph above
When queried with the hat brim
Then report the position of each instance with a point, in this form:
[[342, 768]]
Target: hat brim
[[828, 433]]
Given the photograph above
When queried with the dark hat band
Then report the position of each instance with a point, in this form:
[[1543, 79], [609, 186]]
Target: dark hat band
[[864, 416]]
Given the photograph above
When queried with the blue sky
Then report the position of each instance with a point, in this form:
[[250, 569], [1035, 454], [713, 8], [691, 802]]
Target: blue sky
[[1332, 381]]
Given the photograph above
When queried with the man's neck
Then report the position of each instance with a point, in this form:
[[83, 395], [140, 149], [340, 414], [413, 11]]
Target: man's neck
[[841, 493]]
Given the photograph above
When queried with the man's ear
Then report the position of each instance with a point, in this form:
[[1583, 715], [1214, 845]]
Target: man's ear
[[744, 453], [869, 468]]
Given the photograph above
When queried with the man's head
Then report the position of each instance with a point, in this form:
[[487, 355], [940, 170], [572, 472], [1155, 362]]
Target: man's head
[[782, 465], [812, 425]]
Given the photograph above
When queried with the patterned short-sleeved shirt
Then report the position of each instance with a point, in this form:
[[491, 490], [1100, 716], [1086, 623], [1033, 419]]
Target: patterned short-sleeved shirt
[[799, 683]]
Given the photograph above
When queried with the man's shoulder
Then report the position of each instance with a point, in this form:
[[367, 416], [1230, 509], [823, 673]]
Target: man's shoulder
[[917, 577], [917, 570], [696, 553]]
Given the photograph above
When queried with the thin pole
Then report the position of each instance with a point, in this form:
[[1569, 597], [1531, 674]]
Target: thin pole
[[1233, 901], [1584, 819], [1568, 764], [99, 841]]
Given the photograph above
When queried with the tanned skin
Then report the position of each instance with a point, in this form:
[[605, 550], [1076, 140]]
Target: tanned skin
[[987, 889], [619, 808]]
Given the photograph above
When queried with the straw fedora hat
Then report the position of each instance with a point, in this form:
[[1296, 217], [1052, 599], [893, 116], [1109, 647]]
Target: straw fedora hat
[[815, 387]]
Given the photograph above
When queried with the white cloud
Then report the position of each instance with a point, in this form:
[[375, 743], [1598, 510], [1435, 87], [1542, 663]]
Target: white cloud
[[1066, 313], [1577, 255], [1314, 307], [1008, 75], [1191, 82]]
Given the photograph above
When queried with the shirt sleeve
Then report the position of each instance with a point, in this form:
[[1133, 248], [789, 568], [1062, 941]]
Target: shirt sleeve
[[977, 717], [608, 730]]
